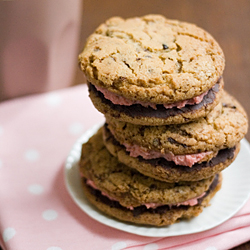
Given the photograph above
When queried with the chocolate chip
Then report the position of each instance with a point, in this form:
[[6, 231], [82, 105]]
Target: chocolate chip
[[173, 141], [124, 127], [165, 46]]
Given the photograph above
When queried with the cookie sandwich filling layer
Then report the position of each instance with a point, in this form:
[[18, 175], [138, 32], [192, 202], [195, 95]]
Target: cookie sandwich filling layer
[[183, 160], [148, 154], [220, 157], [146, 109], [120, 100], [149, 207]]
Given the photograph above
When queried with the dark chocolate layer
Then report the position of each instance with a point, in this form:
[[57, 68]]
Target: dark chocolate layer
[[137, 110], [142, 209], [222, 156]]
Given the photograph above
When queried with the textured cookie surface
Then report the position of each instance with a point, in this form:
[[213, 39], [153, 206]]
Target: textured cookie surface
[[138, 114], [152, 59], [223, 128], [161, 216], [128, 186]]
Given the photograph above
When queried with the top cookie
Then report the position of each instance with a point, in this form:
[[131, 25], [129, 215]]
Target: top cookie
[[152, 59]]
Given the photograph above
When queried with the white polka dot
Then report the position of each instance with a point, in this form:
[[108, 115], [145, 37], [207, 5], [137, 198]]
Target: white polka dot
[[151, 246], [50, 214], [119, 245], [8, 234], [1, 130], [35, 189], [53, 100], [31, 155], [76, 128], [1, 163], [211, 248], [54, 248]]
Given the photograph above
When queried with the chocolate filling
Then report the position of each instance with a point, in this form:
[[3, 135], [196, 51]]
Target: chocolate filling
[[222, 156], [142, 209], [137, 110]]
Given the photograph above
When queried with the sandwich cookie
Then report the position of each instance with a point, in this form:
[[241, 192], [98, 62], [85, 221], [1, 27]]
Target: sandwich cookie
[[152, 70]]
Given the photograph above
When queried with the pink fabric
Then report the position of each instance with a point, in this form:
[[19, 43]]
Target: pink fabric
[[36, 212]]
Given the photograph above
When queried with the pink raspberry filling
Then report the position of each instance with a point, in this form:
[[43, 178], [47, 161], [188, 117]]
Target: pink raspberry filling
[[190, 202], [184, 160], [119, 100]]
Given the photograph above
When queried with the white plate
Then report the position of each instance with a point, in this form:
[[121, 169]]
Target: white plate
[[233, 195]]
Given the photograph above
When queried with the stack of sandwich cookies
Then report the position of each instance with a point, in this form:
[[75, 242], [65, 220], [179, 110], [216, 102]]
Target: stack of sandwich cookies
[[128, 195], [170, 127]]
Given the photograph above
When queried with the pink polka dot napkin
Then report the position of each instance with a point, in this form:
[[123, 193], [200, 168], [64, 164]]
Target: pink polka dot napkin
[[37, 212]]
